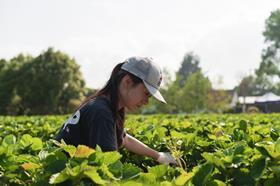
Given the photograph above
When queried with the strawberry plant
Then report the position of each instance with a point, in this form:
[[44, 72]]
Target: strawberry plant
[[209, 149]]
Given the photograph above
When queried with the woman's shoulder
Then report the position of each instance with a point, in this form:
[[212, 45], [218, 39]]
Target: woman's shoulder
[[98, 104]]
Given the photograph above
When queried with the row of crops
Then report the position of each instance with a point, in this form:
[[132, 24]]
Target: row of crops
[[210, 150]]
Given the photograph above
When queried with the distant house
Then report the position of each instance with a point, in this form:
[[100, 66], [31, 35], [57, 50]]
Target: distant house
[[267, 103]]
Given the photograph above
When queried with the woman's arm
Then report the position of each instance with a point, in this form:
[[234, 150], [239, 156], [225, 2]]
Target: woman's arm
[[136, 146]]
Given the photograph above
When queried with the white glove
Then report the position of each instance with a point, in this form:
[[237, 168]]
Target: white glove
[[166, 158]]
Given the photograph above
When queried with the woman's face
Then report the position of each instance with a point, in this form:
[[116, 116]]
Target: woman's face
[[133, 97]]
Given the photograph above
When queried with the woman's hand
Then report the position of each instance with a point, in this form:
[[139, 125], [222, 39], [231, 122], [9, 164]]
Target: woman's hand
[[166, 158], [136, 146]]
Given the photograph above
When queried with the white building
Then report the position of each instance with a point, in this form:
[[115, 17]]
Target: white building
[[269, 102]]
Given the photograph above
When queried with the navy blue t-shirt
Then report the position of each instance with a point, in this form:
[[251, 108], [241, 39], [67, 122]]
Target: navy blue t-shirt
[[92, 125]]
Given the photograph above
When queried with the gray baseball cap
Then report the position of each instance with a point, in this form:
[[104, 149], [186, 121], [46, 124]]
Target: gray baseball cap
[[148, 71]]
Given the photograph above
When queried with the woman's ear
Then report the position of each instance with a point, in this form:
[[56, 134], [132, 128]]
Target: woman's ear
[[126, 81]]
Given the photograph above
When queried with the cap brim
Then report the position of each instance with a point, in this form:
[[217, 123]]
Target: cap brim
[[154, 92]]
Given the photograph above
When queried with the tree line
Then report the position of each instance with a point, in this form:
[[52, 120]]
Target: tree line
[[193, 92], [190, 92], [52, 82], [266, 77]]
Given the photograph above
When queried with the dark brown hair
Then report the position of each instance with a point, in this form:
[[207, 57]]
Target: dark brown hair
[[111, 90]]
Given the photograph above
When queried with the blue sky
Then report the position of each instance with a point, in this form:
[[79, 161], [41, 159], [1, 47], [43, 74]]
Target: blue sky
[[225, 34]]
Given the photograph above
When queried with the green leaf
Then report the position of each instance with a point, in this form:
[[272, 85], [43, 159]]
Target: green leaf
[[9, 140], [148, 177], [213, 159], [55, 166], [43, 154], [131, 183], [277, 145], [263, 151], [116, 168], [37, 144], [179, 135], [3, 150], [203, 174], [216, 183], [105, 170], [258, 168], [75, 171], [268, 148], [239, 149], [166, 183], [98, 148], [130, 171], [59, 177], [271, 182], [107, 158], [55, 162], [276, 170], [183, 178], [274, 134], [111, 157], [83, 151], [25, 141], [158, 170], [30, 166], [26, 158], [203, 143], [243, 125], [70, 149], [238, 134], [93, 175]]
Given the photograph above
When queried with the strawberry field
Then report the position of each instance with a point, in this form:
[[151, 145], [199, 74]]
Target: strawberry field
[[210, 150]]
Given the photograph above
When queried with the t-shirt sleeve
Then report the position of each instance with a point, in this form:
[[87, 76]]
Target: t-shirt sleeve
[[103, 131]]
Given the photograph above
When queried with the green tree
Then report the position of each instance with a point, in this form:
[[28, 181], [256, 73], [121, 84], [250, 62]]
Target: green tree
[[10, 101], [247, 86], [189, 65], [193, 96], [272, 24], [50, 83], [190, 92], [2, 64], [268, 73], [218, 101]]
